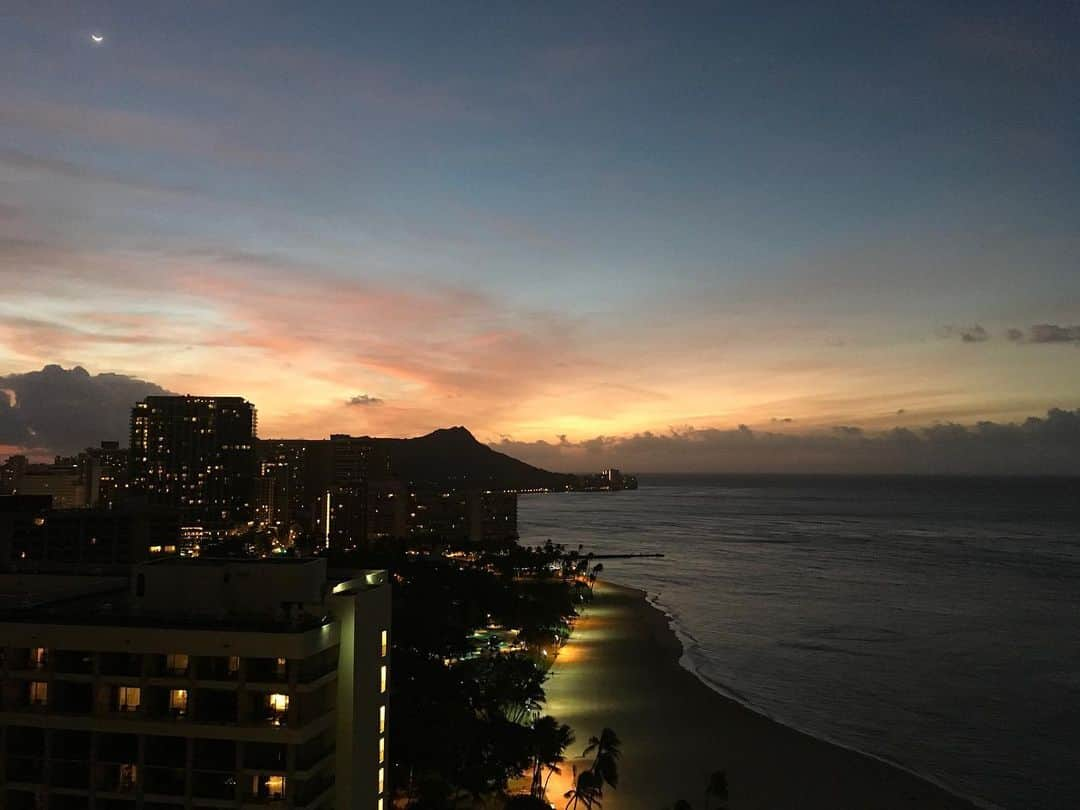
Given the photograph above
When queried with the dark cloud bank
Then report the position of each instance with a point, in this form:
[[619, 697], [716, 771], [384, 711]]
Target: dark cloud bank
[[1048, 446], [62, 411], [363, 400]]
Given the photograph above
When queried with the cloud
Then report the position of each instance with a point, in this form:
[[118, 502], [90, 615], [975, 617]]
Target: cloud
[[363, 400], [1052, 333], [968, 334], [61, 411], [1035, 446]]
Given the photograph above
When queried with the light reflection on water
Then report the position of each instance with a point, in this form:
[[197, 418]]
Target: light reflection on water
[[928, 621]]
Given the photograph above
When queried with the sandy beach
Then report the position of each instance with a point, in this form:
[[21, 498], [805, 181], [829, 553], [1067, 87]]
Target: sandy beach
[[620, 669]]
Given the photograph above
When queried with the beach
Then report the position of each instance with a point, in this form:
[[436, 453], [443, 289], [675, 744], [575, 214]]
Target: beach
[[621, 669]]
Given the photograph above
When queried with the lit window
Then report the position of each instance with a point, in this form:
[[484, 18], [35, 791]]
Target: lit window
[[382, 678], [385, 643], [234, 664], [382, 719], [176, 663], [39, 693], [279, 707], [275, 787], [178, 702], [129, 777], [155, 549], [279, 668], [382, 750], [128, 698], [382, 779], [39, 657], [380, 804]]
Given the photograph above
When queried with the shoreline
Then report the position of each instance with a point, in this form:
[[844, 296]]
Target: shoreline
[[686, 661], [623, 668]]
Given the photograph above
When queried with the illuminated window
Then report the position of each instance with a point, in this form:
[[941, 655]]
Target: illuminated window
[[382, 750], [385, 643], [128, 698], [279, 667], [176, 663], [382, 779], [178, 702], [379, 806], [39, 693], [278, 705], [382, 719], [234, 664], [155, 549], [39, 657], [129, 777], [275, 787], [382, 678]]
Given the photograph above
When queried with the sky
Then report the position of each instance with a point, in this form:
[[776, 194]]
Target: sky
[[552, 223]]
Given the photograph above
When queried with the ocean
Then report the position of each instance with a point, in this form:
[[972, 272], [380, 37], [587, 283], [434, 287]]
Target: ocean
[[931, 622]]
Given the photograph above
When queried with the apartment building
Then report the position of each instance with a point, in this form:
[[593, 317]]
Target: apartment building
[[195, 684]]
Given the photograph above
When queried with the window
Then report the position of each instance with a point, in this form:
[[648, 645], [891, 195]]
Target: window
[[128, 698], [176, 663], [39, 693], [382, 678], [379, 806], [129, 777], [39, 657], [275, 787], [382, 750], [382, 779], [382, 719], [280, 668], [279, 707], [234, 664], [178, 702], [384, 645]]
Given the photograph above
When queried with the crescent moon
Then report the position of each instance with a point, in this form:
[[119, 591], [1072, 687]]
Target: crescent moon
[[98, 38]]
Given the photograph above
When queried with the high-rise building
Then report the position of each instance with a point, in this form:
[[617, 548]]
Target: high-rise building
[[195, 684], [196, 454], [36, 537]]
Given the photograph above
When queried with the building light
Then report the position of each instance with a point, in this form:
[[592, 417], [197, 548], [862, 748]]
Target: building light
[[234, 664], [129, 777], [128, 698], [178, 702], [382, 719], [384, 644], [382, 678], [382, 779], [275, 787], [39, 657], [379, 805], [279, 707], [382, 750], [280, 667], [39, 693], [176, 663]]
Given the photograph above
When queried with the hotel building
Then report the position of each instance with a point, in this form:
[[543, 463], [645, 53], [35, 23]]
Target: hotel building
[[195, 684], [196, 454]]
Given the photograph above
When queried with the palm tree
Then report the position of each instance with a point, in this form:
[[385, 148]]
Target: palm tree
[[586, 790], [605, 765], [549, 741], [717, 788]]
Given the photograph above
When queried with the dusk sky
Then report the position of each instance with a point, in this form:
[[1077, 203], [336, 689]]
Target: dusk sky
[[542, 220]]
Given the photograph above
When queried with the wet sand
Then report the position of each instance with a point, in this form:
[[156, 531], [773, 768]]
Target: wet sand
[[621, 669]]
